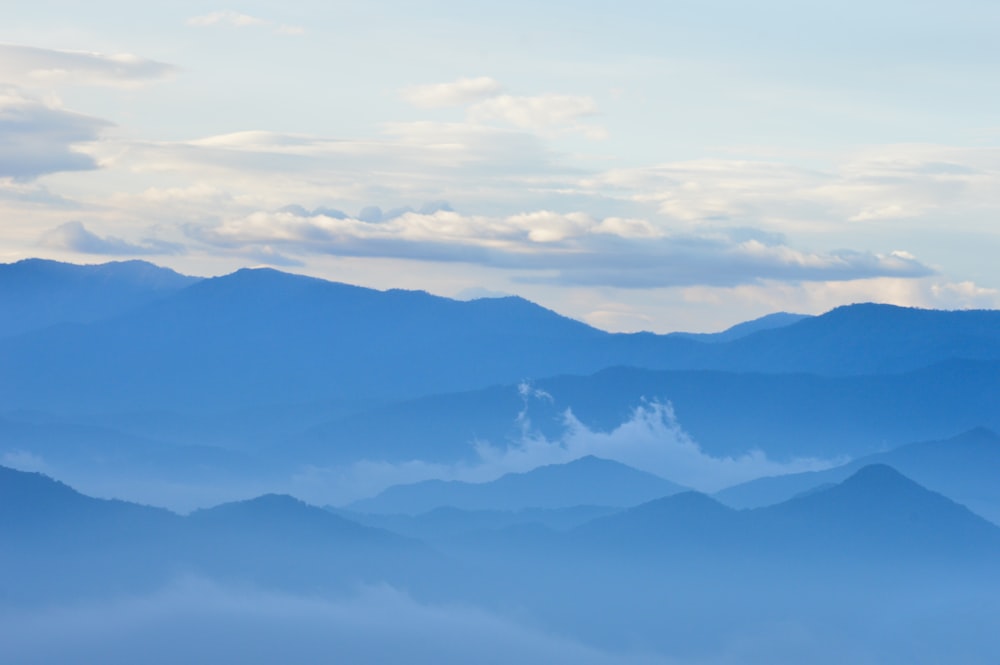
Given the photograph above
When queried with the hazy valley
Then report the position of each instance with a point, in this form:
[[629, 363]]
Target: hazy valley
[[285, 466]]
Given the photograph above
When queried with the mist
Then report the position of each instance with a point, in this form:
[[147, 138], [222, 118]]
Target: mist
[[195, 620], [651, 439]]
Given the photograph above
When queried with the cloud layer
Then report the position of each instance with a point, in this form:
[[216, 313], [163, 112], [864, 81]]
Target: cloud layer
[[572, 248], [28, 65], [37, 138], [74, 237], [651, 440], [196, 622], [457, 93]]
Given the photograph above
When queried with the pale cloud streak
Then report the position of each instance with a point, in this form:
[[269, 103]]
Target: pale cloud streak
[[233, 19], [75, 237], [37, 138], [29, 66], [228, 17], [548, 247], [457, 93], [488, 105], [543, 113], [888, 184]]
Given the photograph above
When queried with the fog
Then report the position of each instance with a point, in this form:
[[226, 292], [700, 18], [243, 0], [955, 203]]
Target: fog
[[651, 439], [196, 621]]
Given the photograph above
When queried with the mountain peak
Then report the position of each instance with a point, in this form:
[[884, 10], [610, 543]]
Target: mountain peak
[[876, 484]]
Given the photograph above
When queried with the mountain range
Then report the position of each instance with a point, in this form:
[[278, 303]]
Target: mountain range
[[127, 370], [962, 467], [259, 337], [587, 481], [673, 574]]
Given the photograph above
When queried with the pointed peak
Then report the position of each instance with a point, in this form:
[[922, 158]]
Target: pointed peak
[[877, 473]]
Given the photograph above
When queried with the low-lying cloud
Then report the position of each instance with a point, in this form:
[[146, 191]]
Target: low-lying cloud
[[37, 138], [196, 621], [234, 19], [456, 93], [574, 248], [651, 440], [75, 237], [30, 65]]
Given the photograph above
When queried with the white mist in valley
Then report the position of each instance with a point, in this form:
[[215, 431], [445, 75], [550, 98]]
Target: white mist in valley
[[651, 439]]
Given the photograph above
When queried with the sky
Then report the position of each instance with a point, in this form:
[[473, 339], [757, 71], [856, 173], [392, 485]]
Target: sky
[[636, 165]]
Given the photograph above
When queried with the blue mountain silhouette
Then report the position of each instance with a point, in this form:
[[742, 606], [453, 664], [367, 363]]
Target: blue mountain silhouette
[[585, 481], [962, 468]]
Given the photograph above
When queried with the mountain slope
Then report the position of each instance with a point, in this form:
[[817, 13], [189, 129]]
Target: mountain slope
[[767, 322], [586, 481], [727, 413], [867, 339], [60, 544], [878, 512], [259, 337], [36, 293], [963, 468], [876, 517]]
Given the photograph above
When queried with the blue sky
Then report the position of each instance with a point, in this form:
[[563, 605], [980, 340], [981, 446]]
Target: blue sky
[[661, 166]]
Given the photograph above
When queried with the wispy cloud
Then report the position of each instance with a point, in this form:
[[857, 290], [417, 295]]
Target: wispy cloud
[[235, 19], [572, 248], [290, 30], [228, 17], [74, 236], [888, 184], [549, 112], [487, 104], [457, 93], [29, 65], [651, 439], [37, 138]]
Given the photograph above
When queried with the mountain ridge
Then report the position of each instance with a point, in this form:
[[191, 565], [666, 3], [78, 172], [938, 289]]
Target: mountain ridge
[[587, 480]]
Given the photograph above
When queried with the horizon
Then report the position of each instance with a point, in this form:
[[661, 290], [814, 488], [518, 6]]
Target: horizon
[[630, 166], [469, 298], [573, 331]]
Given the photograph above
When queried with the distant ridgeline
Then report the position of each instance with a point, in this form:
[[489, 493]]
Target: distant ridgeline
[[871, 558], [493, 456], [127, 376]]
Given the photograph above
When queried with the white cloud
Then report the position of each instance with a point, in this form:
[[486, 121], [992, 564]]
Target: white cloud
[[820, 296], [37, 138], [572, 248], [227, 17], [75, 237], [457, 93], [650, 440], [29, 66], [883, 186], [549, 112], [238, 20], [290, 30]]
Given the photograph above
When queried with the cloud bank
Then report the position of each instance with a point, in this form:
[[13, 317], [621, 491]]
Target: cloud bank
[[74, 236], [568, 249], [650, 440], [199, 622], [29, 65], [37, 138], [234, 19], [457, 93]]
